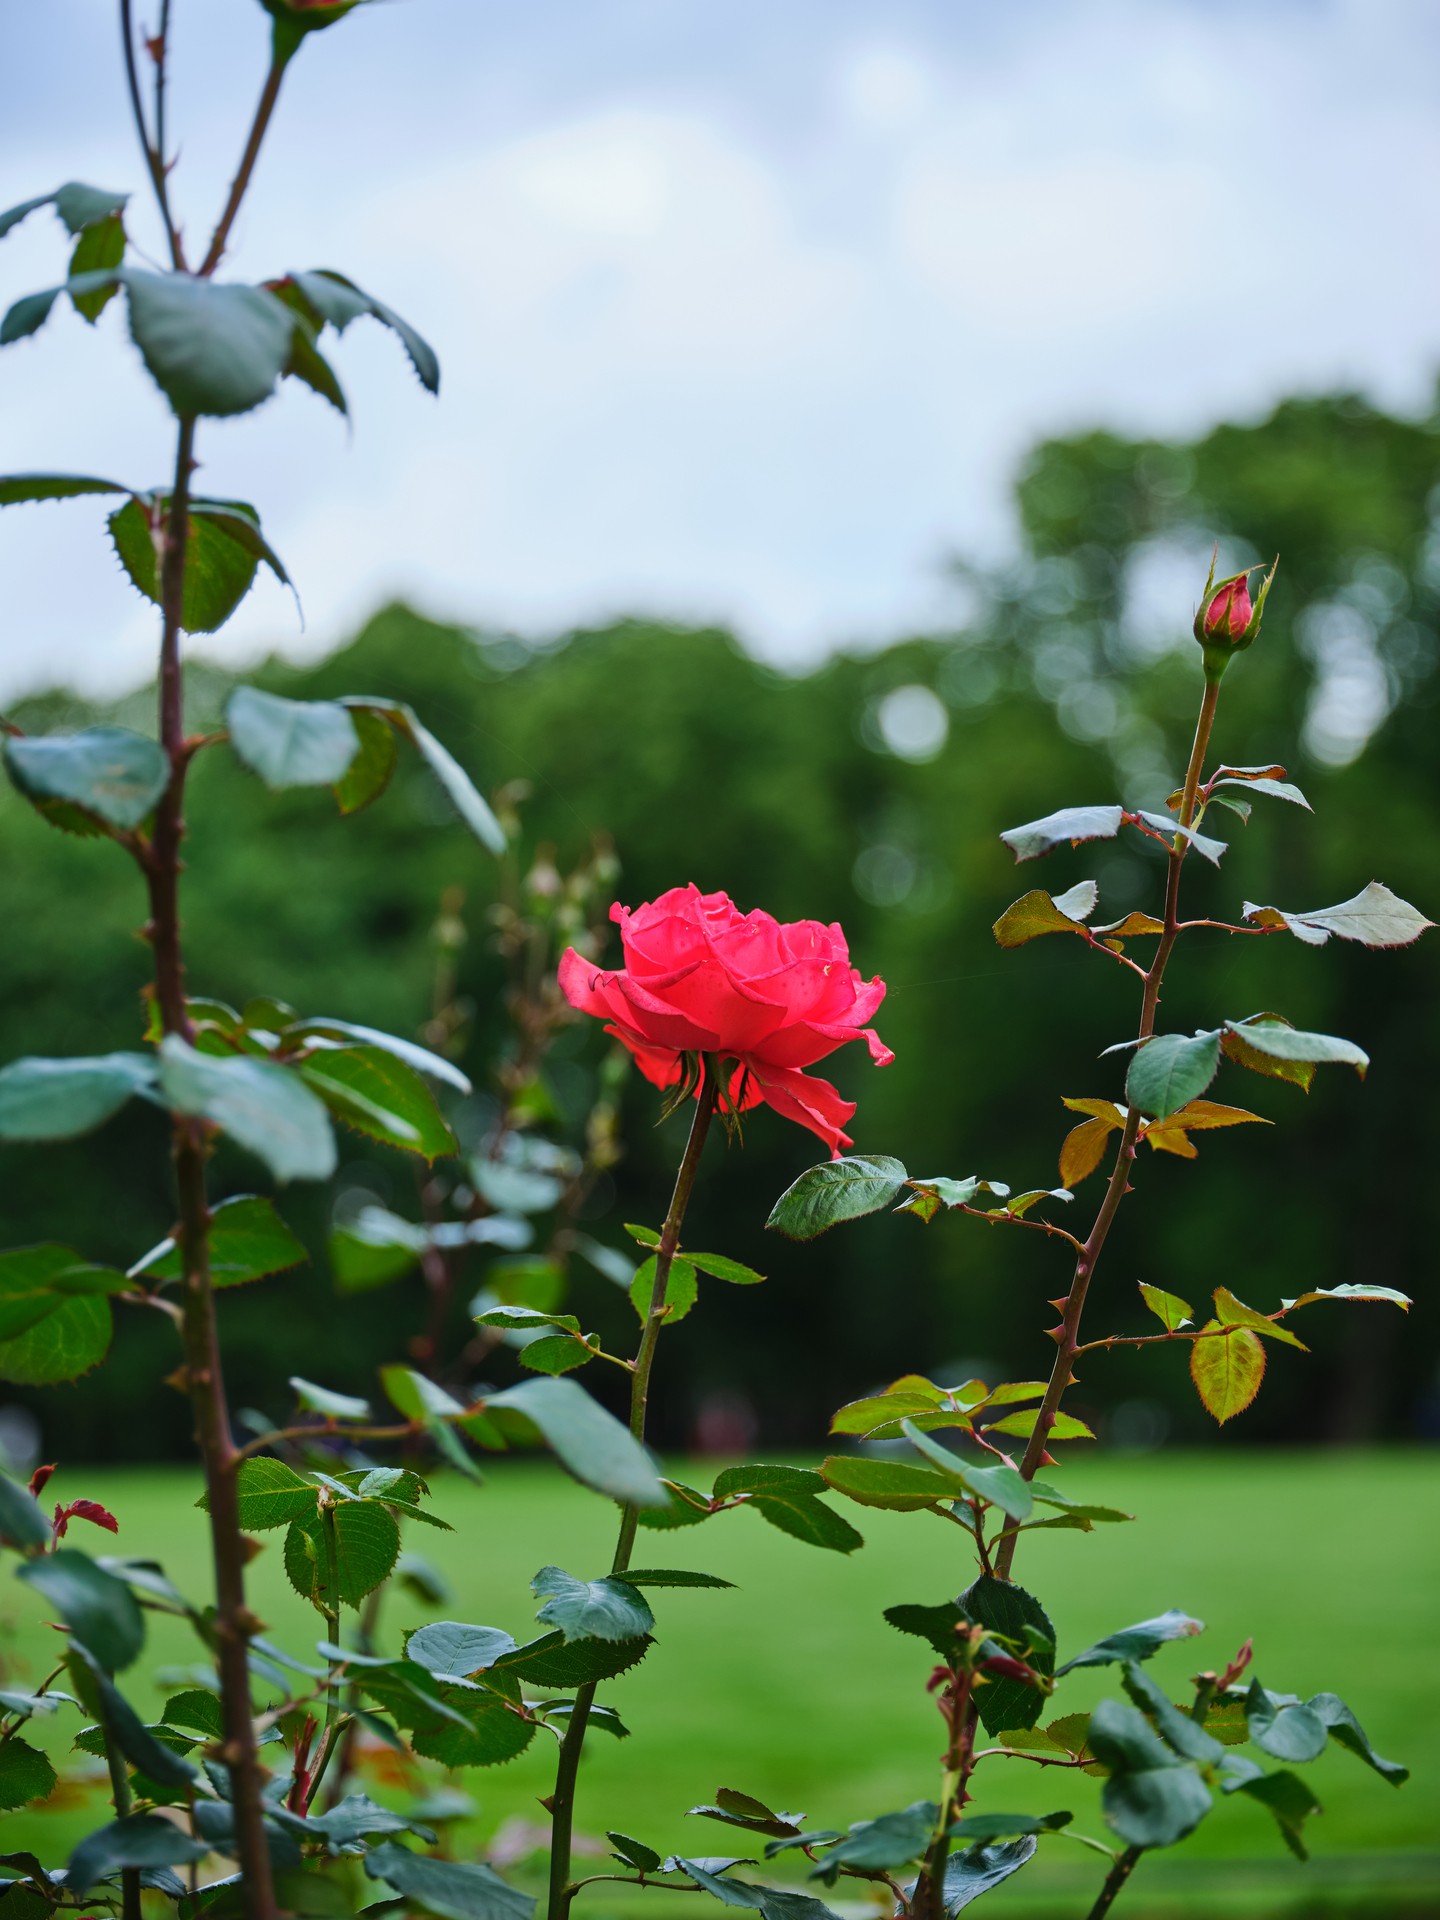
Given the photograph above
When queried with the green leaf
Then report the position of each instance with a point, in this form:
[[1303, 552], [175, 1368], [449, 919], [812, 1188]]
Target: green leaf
[[367, 1545], [1375, 918], [1231, 1312], [58, 1099], [197, 1711], [291, 743], [1227, 1369], [524, 1319], [1038, 912], [373, 1249], [635, 1853], [111, 774], [18, 488], [934, 1625], [408, 1051], [454, 1650], [587, 1440], [608, 1609], [1171, 1070], [836, 1190], [682, 1289], [1342, 1725], [335, 1406], [223, 548], [805, 1518], [1168, 1308], [371, 770], [892, 1484], [1274, 1039], [269, 1494], [99, 1610], [142, 1840], [69, 1341], [1019, 1621], [1066, 1426], [100, 248], [1155, 1806], [462, 792], [418, 1397], [1004, 1486], [34, 1280], [1079, 1511], [1167, 825], [1135, 1643], [1287, 1797], [337, 301], [1269, 780], [211, 347], [1348, 1292], [734, 1809], [975, 1870], [1007, 1826], [358, 1817], [892, 1840], [673, 1577], [78, 206], [1176, 1728], [1071, 824], [123, 1725], [937, 1191], [25, 1774], [550, 1662], [1235, 1047], [558, 1353], [684, 1507], [720, 1268], [1282, 1727], [762, 1477], [22, 1524], [248, 1240], [379, 1095], [511, 1189], [1151, 1799], [262, 1107]]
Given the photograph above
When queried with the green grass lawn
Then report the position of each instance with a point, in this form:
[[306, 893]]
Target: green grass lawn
[[795, 1689]]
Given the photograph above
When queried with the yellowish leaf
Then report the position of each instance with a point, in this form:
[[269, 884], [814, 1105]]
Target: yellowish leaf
[[1083, 1149], [1227, 1368]]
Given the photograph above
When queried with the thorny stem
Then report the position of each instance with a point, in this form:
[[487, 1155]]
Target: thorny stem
[[1114, 1881], [154, 150], [269, 94], [332, 1622], [562, 1802], [929, 1895], [1067, 1334], [234, 1623], [124, 1801]]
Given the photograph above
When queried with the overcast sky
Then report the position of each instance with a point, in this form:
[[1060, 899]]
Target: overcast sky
[[746, 311]]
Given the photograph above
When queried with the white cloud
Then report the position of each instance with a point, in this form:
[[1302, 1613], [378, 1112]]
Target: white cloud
[[747, 325]]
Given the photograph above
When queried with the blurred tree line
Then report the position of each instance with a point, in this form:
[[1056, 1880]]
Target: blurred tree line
[[869, 791]]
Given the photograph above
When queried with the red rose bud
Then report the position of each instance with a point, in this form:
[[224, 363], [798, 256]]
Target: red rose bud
[[1002, 1664], [1229, 612], [1228, 620]]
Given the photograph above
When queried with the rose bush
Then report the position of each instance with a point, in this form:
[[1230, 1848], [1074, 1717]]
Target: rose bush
[[773, 996]]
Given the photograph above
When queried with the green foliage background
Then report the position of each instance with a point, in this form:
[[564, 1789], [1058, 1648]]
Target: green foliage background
[[707, 766]]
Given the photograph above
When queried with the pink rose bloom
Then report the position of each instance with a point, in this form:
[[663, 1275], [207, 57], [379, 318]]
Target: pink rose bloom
[[702, 977]]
